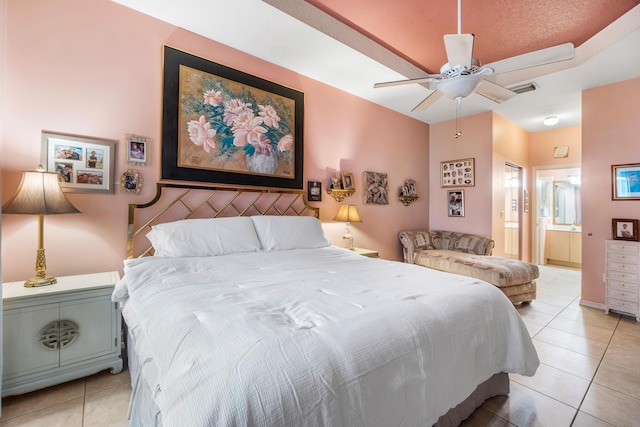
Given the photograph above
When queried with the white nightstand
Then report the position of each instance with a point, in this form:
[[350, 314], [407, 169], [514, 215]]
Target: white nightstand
[[366, 252], [60, 332]]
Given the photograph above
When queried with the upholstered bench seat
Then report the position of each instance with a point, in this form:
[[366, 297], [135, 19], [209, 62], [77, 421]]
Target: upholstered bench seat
[[515, 278], [470, 255]]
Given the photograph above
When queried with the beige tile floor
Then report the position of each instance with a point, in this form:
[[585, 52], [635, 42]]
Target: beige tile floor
[[589, 374]]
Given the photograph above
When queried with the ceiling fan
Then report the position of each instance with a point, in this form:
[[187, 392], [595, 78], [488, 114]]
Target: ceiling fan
[[463, 75]]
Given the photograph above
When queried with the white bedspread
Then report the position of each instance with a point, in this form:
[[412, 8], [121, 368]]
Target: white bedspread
[[315, 337]]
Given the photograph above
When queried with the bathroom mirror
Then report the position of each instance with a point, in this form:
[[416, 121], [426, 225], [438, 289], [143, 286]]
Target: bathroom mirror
[[566, 203]]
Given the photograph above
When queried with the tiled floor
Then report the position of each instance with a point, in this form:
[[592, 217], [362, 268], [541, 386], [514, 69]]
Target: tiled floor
[[589, 374]]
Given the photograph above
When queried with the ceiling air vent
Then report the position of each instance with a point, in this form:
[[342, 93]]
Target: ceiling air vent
[[527, 87]]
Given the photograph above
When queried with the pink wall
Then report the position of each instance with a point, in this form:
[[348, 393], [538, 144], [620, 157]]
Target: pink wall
[[610, 131], [476, 142], [544, 142], [491, 140], [94, 68]]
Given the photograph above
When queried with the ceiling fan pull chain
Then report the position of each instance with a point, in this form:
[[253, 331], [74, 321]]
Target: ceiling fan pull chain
[[459, 16], [458, 118]]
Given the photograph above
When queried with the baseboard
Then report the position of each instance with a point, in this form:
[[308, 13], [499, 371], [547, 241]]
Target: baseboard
[[598, 305]]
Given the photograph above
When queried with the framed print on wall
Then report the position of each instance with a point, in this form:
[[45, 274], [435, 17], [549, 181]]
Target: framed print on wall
[[456, 202], [458, 173], [137, 150], [225, 126], [376, 188], [83, 164], [314, 191], [625, 182], [624, 229]]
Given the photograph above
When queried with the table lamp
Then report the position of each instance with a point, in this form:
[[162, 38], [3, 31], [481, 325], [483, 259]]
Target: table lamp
[[39, 194], [348, 214]]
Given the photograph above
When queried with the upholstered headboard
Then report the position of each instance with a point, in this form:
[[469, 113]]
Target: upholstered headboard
[[174, 202]]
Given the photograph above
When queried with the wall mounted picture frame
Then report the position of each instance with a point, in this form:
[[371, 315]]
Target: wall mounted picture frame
[[83, 164], [347, 181], [131, 182], [458, 173], [202, 140], [314, 191], [376, 188], [137, 150], [624, 229], [625, 182], [455, 203]]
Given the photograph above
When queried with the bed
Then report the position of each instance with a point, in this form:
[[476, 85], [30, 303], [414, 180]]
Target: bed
[[256, 319]]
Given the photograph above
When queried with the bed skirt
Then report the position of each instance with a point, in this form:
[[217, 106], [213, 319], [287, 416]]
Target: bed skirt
[[144, 412]]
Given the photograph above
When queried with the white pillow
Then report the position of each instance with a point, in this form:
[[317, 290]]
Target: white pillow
[[277, 233], [204, 237]]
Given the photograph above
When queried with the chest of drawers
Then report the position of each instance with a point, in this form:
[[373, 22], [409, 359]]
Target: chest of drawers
[[622, 277]]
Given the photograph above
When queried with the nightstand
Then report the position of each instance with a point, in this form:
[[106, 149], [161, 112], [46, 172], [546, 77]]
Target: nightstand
[[59, 332], [366, 252]]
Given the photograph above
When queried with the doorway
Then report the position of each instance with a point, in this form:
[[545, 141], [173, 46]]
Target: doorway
[[557, 233], [513, 211]]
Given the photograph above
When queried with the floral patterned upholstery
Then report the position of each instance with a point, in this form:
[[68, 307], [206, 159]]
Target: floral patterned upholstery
[[469, 255]]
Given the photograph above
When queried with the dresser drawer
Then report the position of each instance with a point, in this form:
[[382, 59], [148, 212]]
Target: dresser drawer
[[622, 257], [622, 247], [622, 266], [623, 286], [622, 276], [617, 304], [622, 294]]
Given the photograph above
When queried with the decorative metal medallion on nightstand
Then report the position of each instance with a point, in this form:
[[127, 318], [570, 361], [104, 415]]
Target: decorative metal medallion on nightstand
[[58, 334]]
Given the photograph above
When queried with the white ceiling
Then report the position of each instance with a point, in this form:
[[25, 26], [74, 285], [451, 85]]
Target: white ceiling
[[320, 47]]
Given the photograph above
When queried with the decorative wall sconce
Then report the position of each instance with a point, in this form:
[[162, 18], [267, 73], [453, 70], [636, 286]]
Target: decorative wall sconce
[[408, 192], [341, 188]]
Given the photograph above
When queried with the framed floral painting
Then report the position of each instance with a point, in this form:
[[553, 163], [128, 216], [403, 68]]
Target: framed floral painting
[[225, 126]]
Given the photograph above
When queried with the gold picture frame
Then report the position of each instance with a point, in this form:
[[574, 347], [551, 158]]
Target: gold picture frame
[[458, 173]]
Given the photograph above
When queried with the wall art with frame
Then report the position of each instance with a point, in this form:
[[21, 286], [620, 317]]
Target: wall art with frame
[[458, 173], [625, 182], [455, 203], [225, 126], [83, 164], [137, 150], [376, 188], [314, 191], [624, 229]]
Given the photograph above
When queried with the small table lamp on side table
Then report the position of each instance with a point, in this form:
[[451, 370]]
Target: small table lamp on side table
[[39, 194], [348, 214]]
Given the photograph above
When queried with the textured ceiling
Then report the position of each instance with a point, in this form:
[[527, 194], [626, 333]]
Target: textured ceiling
[[413, 29]]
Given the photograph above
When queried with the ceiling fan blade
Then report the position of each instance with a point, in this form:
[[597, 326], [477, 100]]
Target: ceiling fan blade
[[428, 78], [428, 101], [562, 52], [494, 91], [459, 49]]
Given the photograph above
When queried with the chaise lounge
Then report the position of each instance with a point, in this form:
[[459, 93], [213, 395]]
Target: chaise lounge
[[470, 255]]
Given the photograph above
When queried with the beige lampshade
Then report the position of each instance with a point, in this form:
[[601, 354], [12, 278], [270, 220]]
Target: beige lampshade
[[347, 213], [39, 194]]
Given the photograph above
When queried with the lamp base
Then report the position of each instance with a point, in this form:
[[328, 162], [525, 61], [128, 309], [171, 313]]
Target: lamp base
[[35, 282]]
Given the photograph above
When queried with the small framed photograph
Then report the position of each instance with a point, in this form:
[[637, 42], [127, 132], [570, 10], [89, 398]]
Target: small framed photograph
[[625, 182], [347, 181], [314, 191], [336, 183], [456, 202], [458, 173], [131, 182], [624, 229], [137, 150], [83, 164]]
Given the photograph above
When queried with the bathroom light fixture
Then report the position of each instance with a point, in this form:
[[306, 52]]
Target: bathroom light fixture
[[551, 120]]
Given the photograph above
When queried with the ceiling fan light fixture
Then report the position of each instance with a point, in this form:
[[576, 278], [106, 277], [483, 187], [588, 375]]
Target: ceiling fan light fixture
[[551, 120], [460, 87]]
